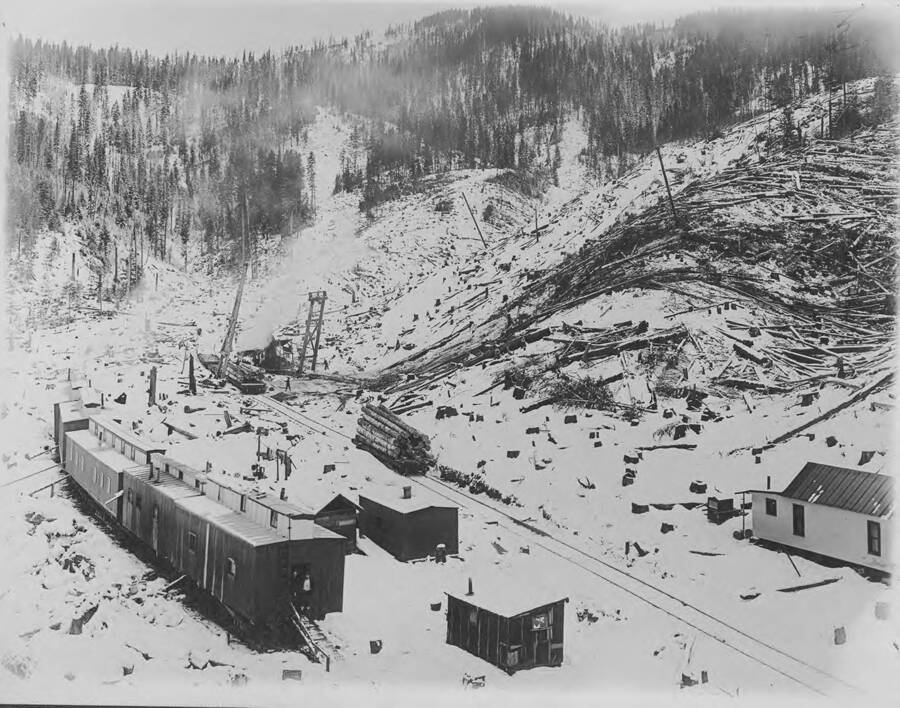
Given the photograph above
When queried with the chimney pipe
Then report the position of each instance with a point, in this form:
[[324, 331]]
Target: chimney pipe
[[471, 591], [407, 492], [283, 494], [768, 482]]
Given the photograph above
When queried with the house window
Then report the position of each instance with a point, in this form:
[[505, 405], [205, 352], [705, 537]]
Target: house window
[[243, 502], [799, 521], [180, 473], [540, 621], [192, 541], [874, 538], [137, 501], [771, 507], [273, 519], [230, 567]]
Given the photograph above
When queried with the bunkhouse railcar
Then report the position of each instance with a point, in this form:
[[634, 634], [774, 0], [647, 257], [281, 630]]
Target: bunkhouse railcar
[[98, 469], [244, 565], [122, 439], [336, 513], [148, 508], [407, 525], [506, 628], [832, 512], [67, 416], [251, 569]]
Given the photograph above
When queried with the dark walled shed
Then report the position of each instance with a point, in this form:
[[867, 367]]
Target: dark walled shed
[[408, 527], [506, 628]]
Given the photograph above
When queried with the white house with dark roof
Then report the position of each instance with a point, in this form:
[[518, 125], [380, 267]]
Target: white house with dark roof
[[836, 512]]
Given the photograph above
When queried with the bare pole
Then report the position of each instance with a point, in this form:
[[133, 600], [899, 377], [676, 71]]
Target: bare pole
[[474, 220], [666, 180]]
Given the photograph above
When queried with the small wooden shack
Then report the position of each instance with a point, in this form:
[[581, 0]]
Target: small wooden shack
[[835, 512], [408, 523], [509, 624]]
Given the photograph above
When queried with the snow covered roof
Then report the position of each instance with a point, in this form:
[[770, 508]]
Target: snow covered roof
[[506, 594], [843, 488], [168, 485], [391, 496], [305, 529], [252, 490], [71, 410], [107, 455], [126, 433]]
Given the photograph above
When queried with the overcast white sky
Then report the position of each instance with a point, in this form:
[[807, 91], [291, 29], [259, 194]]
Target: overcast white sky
[[231, 26]]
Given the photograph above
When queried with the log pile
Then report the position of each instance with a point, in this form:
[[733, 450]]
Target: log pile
[[398, 445]]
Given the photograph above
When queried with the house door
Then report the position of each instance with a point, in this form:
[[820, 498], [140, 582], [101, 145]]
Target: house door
[[154, 538], [540, 632]]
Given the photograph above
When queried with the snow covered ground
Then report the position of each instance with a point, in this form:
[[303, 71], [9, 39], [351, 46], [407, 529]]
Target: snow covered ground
[[412, 277]]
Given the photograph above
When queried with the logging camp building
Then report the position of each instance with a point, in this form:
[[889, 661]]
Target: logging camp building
[[331, 511], [499, 623], [247, 567], [407, 525], [835, 512]]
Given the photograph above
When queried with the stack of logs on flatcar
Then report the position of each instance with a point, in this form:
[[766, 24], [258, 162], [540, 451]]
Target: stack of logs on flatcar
[[398, 445]]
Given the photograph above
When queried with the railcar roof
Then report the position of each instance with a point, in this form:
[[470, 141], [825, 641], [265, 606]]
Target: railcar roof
[[103, 452], [126, 433]]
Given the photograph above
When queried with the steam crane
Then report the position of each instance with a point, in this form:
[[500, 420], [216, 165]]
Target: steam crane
[[232, 325], [247, 378]]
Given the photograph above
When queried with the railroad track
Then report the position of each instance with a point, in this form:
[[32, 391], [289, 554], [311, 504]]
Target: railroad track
[[789, 667]]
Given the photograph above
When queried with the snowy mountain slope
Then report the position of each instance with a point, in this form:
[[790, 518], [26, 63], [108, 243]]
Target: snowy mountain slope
[[396, 267]]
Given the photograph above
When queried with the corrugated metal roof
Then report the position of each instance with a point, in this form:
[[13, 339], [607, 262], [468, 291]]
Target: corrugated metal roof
[[854, 490]]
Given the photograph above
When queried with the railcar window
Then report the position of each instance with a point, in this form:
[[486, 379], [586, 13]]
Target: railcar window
[[230, 567], [273, 519], [192, 542]]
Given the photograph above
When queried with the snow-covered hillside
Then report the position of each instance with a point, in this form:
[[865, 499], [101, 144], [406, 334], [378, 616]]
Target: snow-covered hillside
[[419, 308]]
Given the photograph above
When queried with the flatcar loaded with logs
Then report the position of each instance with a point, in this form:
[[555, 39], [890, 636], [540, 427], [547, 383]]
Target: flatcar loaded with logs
[[398, 445]]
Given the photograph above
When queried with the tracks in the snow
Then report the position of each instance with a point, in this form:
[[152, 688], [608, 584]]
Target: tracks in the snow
[[783, 663]]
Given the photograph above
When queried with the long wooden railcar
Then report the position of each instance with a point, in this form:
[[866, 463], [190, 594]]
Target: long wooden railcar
[[248, 567], [98, 469], [245, 565]]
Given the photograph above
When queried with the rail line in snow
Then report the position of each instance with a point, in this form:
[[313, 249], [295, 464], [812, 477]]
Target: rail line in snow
[[781, 662]]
